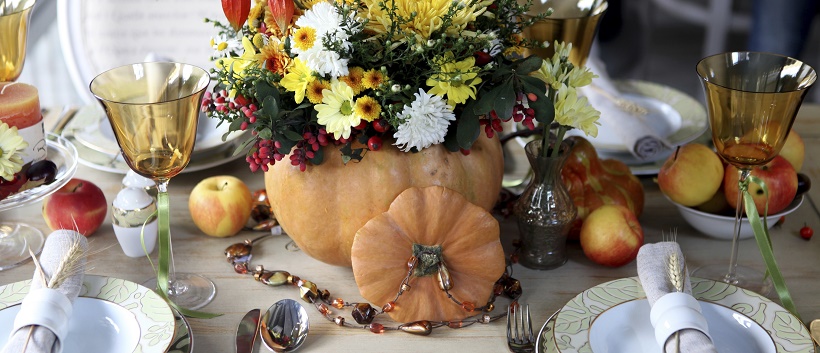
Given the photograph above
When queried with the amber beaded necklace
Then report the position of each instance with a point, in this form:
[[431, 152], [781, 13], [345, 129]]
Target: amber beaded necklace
[[240, 254]]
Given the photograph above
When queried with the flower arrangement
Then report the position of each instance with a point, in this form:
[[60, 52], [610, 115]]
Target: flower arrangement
[[302, 74], [11, 145]]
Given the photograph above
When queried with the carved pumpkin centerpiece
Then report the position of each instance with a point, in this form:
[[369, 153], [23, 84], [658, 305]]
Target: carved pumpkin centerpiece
[[351, 103]]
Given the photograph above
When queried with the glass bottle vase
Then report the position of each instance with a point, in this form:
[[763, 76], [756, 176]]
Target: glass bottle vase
[[545, 210]]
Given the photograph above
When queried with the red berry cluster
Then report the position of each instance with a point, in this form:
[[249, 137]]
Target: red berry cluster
[[520, 114], [267, 152]]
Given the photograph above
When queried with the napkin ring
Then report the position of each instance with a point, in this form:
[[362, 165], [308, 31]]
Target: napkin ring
[[674, 312], [48, 308]]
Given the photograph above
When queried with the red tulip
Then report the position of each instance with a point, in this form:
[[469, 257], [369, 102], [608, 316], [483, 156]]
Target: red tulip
[[282, 11], [236, 11]]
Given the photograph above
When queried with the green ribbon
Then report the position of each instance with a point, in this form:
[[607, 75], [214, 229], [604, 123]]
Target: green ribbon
[[164, 261], [764, 242]]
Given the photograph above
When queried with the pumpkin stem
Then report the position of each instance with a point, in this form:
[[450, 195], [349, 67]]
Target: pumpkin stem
[[429, 257]]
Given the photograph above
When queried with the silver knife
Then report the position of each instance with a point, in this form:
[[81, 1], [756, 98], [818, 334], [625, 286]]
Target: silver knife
[[247, 332]]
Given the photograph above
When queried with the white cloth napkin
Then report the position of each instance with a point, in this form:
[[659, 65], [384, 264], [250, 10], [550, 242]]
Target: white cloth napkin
[[652, 272], [43, 340], [639, 138]]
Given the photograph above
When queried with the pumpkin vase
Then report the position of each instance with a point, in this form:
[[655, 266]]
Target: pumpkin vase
[[545, 210], [323, 207]]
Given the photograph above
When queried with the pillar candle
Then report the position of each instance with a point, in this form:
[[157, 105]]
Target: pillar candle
[[20, 107]]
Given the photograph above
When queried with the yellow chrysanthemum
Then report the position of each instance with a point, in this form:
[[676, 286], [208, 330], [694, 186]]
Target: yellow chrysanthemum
[[336, 110], [11, 144], [574, 111], [372, 79], [367, 108], [425, 15], [315, 89], [274, 56], [255, 15], [297, 79], [354, 79], [304, 38], [456, 80]]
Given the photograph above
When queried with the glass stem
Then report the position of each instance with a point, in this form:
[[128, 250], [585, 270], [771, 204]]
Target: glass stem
[[162, 187], [731, 276]]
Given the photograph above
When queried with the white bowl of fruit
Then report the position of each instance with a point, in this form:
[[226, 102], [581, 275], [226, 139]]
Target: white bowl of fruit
[[705, 190]]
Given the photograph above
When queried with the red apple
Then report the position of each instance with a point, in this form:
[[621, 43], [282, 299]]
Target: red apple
[[611, 236], [220, 205], [691, 175], [78, 205], [779, 177]]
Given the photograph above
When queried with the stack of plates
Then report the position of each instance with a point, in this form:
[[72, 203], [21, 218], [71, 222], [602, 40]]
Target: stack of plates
[[614, 317], [110, 315], [97, 147]]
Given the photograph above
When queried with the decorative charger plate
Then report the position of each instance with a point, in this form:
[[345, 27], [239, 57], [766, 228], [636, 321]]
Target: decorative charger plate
[[111, 315], [575, 325], [97, 147]]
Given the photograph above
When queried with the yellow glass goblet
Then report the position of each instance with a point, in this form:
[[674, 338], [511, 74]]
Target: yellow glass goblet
[[572, 21], [752, 100], [153, 109], [15, 16]]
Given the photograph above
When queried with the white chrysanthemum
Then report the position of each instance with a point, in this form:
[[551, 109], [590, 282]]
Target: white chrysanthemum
[[323, 17], [426, 120], [11, 144], [325, 62], [336, 110], [326, 23], [574, 111]]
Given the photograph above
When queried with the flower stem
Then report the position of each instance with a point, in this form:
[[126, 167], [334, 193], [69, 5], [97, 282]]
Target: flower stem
[[561, 131]]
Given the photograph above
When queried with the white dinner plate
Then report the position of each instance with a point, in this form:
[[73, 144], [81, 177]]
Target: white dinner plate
[[97, 147], [111, 315], [672, 115], [615, 315]]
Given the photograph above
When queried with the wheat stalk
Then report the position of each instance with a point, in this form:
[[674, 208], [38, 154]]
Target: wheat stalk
[[69, 265]]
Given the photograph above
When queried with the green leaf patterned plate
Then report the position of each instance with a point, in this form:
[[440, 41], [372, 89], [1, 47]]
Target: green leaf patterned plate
[[572, 325], [111, 315]]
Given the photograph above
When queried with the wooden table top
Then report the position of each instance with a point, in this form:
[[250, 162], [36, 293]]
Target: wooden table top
[[545, 291]]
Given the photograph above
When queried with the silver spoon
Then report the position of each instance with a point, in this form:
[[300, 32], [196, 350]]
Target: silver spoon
[[284, 326]]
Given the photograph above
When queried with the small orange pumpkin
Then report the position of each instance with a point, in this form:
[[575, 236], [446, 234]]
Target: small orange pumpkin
[[434, 224], [322, 208], [593, 182]]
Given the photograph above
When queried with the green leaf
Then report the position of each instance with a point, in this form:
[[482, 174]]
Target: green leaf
[[468, 129], [451, 139], [485, 104], [243, 146], [265, 134], [500, 73], [505, 100], [264, 90], [528, 65], [292, 135], [543, 107], [286, 145], [538, 87], [270, 107], [318, 157], [236, 124]]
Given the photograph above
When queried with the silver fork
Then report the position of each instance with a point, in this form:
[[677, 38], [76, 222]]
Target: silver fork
[[519, 329]]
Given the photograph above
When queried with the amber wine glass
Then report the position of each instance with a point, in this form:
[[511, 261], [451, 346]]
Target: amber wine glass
[[153, 109], [15, 16], [752, 100]]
